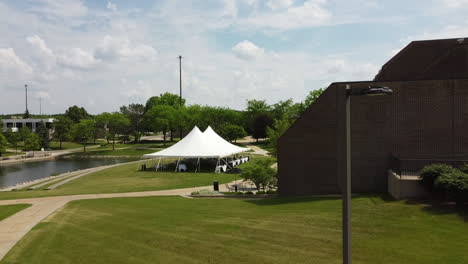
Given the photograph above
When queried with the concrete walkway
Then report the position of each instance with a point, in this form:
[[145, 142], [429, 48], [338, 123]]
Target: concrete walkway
[[13, 228], [257, 150]]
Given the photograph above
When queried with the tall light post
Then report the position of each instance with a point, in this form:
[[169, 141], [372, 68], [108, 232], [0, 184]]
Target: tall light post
[[346, 189], [26, 89], [180, 91]]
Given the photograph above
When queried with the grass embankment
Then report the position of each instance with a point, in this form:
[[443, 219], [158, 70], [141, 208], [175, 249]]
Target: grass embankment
[[9, 210], [280, 230], [9, 154], [129, 152], [125, 178]]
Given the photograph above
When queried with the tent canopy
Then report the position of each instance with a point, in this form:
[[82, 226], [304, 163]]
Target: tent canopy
[[199, 145]]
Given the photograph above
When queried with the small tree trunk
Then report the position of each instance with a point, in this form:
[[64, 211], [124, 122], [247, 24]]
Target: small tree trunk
[[113, 143], [60, 144], [164, 138]]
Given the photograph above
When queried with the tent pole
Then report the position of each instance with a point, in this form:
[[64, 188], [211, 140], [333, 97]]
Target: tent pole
[[196, 167], [177, 165], [159, 162]]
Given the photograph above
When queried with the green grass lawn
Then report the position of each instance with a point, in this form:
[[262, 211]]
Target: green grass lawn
[[65, 145], [8, 210], [280, 230], [125, 178], [8, 154]]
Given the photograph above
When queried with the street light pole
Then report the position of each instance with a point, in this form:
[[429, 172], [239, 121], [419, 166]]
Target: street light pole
[[346, 214], [180, 91], [346, 188]]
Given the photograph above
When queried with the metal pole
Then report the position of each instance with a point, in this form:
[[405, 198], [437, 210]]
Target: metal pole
[[26, 88], [180, 80], [40, 105], [347, 185], [180, 91]]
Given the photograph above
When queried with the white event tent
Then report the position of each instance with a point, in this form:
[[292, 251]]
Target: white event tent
[[199, 145]]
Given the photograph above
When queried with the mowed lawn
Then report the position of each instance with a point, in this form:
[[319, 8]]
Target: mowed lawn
[[125, 178], [9, 210], [280, 230]]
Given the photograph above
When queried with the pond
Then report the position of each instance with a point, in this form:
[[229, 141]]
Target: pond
[[23, 172]]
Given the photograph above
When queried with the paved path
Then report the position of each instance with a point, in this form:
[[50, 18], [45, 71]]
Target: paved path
[[257, 150], [13, 228]]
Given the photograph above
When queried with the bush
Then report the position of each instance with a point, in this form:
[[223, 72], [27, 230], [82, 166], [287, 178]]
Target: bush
[[261, 192], [430, 173], [259, 171], [271, 192], [464, 168], [249, 193], [455, 185]]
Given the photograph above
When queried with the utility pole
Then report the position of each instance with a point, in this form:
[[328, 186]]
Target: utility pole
[[40, 105], [26, 88], [180, 91]]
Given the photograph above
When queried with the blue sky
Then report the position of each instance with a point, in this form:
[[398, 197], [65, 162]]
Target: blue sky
[[104, 54]]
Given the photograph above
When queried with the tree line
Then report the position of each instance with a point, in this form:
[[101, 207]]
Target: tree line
[[165, 114]]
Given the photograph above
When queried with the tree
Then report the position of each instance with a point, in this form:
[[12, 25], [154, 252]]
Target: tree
[[279, 127], [312, 96], [13, 138], [24, 133], [257, 106], [62, 129], [3, 144], [81, 132], [233, 132], [261, 173], [116, 123], [43, 133], [260, 124], [76, 113], [164, 99], [161, 118], [135, 113], [33, 142], [26, 114]]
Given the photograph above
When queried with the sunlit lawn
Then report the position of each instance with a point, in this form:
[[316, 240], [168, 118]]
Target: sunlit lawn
[[125, 178], [280, 230], [8, 210]]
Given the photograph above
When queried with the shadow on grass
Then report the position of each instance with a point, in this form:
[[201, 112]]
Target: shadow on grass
[[289, 200], [376, 198], [438, 207]]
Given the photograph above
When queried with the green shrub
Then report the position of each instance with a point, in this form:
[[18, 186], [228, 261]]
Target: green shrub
[[464, 168], [271, 192], [261, 192], [455, 185], [249, 193], [259, 171], [430, 173]]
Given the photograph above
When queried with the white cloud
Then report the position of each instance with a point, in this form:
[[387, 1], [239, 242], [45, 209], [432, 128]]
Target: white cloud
[[114, 48], [247, 50], [310, 13], [454, 3], [279, 4], [112, 6], [61, 8], [12, 68], [78, 58]]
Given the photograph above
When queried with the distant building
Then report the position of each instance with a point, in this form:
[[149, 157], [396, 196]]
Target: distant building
[[32, 123], [424, 121]]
